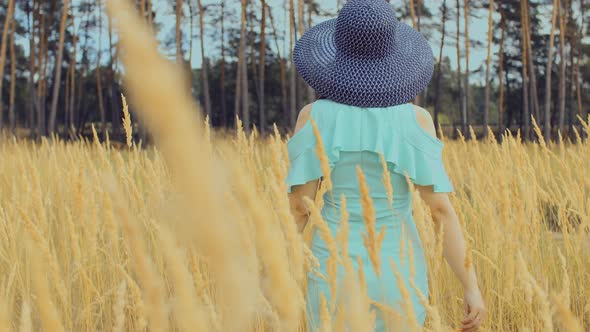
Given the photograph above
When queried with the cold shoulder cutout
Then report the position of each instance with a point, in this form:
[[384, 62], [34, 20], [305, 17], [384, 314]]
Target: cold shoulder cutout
[[394, 131]]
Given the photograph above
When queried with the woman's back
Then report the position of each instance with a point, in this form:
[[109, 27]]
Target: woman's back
[[367, 139], [369, 60]]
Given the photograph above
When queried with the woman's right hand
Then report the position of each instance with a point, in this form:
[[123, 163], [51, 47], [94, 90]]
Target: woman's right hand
[[475, 310]]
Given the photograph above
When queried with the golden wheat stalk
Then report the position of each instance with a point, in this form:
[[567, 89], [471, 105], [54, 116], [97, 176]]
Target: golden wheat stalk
[[157, 312], [127, 122], [387, 180], [541, 294], [326, 236], [189, 313], [371, 239], [354, 306], [154, 83], [25, 318], [321, 153], [344, 229], [567, 319], [50, 317], [4, 316], [325, 316], [119, 308], [407, 301]]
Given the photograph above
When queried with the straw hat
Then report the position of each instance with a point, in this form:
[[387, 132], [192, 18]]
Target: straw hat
[[365, 57]]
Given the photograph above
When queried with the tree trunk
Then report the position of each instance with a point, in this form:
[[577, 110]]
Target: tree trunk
[[548, 71], [572, 83], [3, 47], [293, 80], [578, 92], [572, 49], [252, 57], [300, 17], [510, 115], [11, 115], [142, 132], [222, 68], [281, 63], [70, 88], [562, 75], [43, 33], [532, 73], [459, 73], [419, 2], [115, 109], [244, 70], [439, 66], [486, 111], [525, 80], [579, 80], [72, 101], [178, 31], [188, 62], [467, 87], [501, 75], [58, 67], [261, 71], [32, 54], [150, 13], [301, 86], [67, 97], [205, 65], [413, 15], [81, 81], [191, 34], [579, 84], [103, 118], [237, 99]]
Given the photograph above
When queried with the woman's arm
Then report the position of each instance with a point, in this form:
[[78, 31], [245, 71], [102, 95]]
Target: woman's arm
[[454, 246], [454, 252], [298, 207]]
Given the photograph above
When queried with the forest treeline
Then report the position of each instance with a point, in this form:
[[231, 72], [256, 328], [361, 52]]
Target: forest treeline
[[60, 71]]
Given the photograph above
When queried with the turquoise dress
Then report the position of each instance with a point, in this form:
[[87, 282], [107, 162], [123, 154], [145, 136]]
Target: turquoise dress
[[357, 136]]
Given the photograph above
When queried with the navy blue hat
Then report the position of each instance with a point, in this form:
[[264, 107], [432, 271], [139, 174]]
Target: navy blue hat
[[365, 57]]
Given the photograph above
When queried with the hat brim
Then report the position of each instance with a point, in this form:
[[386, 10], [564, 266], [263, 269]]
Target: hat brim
[[389, 81]]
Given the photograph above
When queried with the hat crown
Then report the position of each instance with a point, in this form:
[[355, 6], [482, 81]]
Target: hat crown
[[366, 29]]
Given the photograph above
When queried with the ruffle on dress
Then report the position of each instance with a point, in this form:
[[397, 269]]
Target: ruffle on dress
[[393, 131]]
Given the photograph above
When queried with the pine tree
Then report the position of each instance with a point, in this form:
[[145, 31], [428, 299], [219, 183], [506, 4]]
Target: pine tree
[[548, 70], [58, 68], [3, 48], [205, 66], [486, 112]]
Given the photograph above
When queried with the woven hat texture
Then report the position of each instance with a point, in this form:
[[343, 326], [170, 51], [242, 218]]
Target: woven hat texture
[[365, 57]]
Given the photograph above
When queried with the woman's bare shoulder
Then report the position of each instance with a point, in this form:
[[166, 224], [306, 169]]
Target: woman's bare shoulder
[[303, 117], [425, 120]]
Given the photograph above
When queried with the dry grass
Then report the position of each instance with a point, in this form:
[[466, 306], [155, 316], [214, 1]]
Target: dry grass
[[94, 238], [196, 233]]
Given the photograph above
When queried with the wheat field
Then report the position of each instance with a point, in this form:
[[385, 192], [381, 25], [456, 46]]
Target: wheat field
[[99, 239], [195, 234]]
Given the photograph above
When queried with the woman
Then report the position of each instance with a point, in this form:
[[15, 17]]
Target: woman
[[367, 66]]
